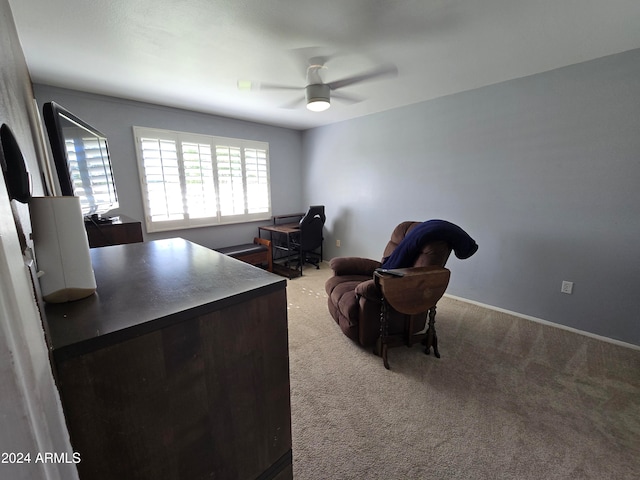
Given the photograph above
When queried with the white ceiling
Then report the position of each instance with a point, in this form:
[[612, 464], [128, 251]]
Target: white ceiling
[[191, 53]]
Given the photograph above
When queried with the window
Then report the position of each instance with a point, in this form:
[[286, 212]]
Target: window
[[191, 180]]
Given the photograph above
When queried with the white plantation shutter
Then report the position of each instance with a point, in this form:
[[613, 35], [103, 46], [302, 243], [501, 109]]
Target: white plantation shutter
[[230, 180], [193, 180], [162, 179], [200, 191], [257, 188]]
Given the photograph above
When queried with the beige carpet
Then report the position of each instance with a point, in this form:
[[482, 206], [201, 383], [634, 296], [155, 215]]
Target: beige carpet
[[509, 399]]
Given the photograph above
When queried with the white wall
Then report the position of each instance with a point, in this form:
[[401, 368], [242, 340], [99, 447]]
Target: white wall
[[541, 171]]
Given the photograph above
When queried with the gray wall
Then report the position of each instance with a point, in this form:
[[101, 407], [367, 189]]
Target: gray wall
[[115, 118], [542, 171]]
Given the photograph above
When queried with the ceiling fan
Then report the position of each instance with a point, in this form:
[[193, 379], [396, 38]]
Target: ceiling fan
[[318, 94]]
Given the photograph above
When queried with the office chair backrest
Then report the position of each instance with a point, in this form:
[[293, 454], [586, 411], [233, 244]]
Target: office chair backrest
[[311, 227], [314, 210]]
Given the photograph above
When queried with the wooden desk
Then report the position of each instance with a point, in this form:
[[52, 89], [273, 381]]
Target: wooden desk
[[277, 218], [284, 231], [284, 228], [176, 368]]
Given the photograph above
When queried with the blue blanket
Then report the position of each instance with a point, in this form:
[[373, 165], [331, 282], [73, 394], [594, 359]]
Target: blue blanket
[[408, 250]]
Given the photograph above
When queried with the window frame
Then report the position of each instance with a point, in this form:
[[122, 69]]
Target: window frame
[[179, 138]]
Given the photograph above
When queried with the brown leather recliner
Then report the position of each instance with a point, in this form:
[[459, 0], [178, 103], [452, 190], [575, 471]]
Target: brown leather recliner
[[355, 301]]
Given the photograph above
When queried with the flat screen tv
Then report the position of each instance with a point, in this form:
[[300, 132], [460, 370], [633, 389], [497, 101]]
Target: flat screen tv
[[81, 157]]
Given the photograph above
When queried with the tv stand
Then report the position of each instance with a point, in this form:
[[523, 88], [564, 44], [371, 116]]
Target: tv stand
[[113, 231], [95, 218]]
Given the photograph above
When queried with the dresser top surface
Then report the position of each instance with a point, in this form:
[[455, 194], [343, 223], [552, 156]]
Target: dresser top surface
[[143, 283]]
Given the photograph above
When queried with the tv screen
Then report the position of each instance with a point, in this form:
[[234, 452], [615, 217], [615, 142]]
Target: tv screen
[[81, 157]]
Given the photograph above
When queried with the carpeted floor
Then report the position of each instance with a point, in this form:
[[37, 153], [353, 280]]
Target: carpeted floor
[[509, 399]]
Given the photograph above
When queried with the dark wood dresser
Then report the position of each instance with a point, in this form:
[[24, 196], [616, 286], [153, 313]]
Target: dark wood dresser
[[177, 368]]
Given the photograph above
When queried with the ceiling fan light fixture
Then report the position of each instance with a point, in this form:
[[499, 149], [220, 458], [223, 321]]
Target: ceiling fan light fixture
[[318, 97]]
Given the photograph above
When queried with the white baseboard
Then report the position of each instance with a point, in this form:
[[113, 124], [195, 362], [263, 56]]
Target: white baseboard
[[548, 323]]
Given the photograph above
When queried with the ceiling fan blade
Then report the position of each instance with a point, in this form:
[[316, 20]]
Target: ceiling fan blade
[[275, 86], [294, 104], [381, 71], [312, 55], [350, 99]]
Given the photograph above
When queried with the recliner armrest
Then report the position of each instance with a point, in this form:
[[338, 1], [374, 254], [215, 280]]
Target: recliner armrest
[[354, 266], [369, 290], [416, 291]]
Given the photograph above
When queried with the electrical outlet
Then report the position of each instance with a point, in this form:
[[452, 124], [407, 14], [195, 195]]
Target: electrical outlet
[[337, 243], [567, 287]]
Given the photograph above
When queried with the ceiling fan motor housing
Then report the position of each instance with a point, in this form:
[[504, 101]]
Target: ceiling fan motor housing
[[318, 92]]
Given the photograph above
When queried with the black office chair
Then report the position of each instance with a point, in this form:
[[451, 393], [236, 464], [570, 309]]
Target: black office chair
[[308, 243]]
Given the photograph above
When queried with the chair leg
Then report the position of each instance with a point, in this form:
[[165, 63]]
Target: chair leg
[[431, 339], [308, 257], [381, 345], [408, 331], [385, 361]]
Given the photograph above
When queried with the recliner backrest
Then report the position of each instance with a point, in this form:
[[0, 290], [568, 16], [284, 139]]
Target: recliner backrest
[[434, 253]]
